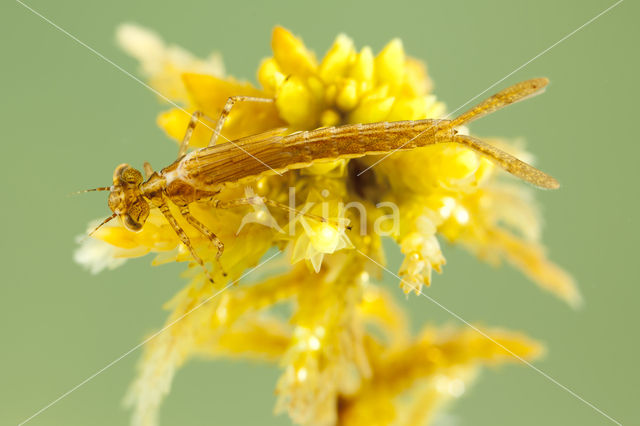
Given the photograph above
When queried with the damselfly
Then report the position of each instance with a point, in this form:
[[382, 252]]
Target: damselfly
[[201, 174]]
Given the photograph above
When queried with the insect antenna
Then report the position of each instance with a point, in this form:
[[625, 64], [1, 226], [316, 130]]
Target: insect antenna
[[103, 222], [102, 188]]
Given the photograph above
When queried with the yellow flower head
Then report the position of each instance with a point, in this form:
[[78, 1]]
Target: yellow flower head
[[315, 238], [347, 86], [347, 353]]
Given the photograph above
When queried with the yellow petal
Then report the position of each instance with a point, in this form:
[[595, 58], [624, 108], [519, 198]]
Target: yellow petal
[[329, 118], [291, 54], [390, 64], [174, 122], [363, 68], [347, 97], [531, 259], [409, 109], [270, 76], [486, 168], [378, 307], [164, 64], [259, 337], [325, 238], [417, 81], [371, 110], [209, 95], [337, 61], [300, 246], [297, 105], [462, 163]]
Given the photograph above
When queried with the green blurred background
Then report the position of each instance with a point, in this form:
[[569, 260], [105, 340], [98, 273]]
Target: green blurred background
[[69, 118]]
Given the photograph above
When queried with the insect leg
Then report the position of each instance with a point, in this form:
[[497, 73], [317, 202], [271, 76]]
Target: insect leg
[[227, 109], [164, 208], [184, 211], [184, 145]]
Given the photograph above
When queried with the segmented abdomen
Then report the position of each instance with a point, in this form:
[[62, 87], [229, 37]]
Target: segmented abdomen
[[233, 161]]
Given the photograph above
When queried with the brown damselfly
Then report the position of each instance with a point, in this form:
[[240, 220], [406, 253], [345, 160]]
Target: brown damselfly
[[201, 174]]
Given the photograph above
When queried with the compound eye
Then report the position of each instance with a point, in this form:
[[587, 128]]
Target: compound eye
[[136, 215], [131, 176], [116, 201], [130, 223]]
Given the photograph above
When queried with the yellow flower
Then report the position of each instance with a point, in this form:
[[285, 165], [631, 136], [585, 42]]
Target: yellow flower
[[314, 239], [412, 380], [347, 86], [346, 352], [164, 65]]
